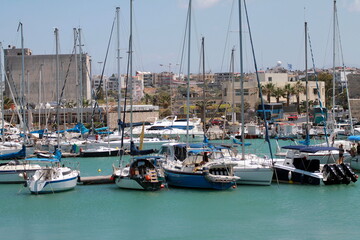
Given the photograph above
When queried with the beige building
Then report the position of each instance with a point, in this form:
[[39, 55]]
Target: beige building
[[40, 76], [233, 93], [281, 79]]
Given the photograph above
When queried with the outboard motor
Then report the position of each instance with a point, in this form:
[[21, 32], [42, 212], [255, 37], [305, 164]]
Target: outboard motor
[[349, 172], [330, 175], [341, 172]]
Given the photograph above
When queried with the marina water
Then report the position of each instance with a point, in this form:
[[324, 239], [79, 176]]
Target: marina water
[[248, 212]]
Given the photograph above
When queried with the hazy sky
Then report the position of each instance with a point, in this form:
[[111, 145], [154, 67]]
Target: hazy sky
[[277, 27]]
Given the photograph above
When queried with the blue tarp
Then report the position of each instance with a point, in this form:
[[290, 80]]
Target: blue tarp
[[240, 143], [56, 158], [15, 155], [354, 138]]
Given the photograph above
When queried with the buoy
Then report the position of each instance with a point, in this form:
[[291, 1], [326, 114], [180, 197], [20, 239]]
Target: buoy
[[162, 186], [99, 170], [147, 177], [234, 186]]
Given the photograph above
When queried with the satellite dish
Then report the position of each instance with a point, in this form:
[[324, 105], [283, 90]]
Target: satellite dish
[[278, 63]]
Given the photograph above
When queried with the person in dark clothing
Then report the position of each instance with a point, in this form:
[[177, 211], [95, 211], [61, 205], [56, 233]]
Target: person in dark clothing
[[341, 154], [358, 149]]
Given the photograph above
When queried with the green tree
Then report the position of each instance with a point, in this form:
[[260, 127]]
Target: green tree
[[327, 78], [299, 88], [288, 91], [277, 94], [267, 89]]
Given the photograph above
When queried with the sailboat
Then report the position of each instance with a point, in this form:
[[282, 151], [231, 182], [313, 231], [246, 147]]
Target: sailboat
[[58, 177], [191, 167], [141, 173], [252, 169], [302, 164]]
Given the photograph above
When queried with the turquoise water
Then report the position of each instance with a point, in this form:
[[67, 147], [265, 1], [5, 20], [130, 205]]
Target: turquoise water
[[248, 212]]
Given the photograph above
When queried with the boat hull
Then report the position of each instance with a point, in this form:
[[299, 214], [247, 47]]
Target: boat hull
[[100, 154], [254, 176], [287, 175], [193, 180], [41, 186], [137, 184]]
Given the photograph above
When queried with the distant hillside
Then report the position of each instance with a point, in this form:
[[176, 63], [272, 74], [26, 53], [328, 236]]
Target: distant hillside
[[354, 85]]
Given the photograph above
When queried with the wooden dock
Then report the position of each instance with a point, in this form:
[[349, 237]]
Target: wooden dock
[[96, 180]]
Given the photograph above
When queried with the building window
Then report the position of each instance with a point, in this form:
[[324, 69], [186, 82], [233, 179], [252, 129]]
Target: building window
[[246, 92], [315, 91], [225, 92], [270, 79], [237, 92]]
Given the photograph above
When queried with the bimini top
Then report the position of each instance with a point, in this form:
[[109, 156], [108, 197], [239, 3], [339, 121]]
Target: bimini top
[[354, 138], [309, 149]]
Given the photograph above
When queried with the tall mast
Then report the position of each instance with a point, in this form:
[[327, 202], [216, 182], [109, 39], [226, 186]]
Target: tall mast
[[76, 76], [333, 98], [40, 104], [204, 84], [242, 86], [188, 77], [306, 85], [131, 76], [56, 32], [232, 69], [81, 77], [118, 62], [23, 79]]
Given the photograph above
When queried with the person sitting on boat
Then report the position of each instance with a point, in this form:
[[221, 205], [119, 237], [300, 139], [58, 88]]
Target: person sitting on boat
[[353, 150], [358, 149], [341, 154]]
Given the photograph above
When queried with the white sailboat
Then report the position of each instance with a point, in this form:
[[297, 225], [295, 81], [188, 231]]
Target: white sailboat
[[141, 173], [58, 177], [252, 169]]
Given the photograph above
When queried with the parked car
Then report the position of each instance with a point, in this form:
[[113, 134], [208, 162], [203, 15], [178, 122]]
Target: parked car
[[217, 122], [293, 117]]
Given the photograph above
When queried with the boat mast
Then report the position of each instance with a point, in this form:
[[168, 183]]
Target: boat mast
[[76, 76], [204, 84], [22, 79], [81, 77], [232, 69], [188, 77], [306, 88], [118, 63], [242, 86], [40, 104], [131, 76], [334, 75], [56, 32]]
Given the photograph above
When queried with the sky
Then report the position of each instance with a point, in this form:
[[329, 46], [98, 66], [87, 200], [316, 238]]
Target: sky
[[277, 28]]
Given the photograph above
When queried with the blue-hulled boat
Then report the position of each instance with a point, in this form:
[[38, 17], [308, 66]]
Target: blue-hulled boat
[[190, 168], [14, 155]]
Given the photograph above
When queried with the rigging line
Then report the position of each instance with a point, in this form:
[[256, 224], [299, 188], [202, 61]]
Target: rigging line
[[125, 101], [345, 76], [66, 75], [227, 36], [184, 44], [96, 105], [267, 139], [318, 91]]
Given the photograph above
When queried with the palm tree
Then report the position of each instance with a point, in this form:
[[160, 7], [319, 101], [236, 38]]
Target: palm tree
[[288, 91], [298, 89], [147, 98], [267, 90], [278, 93]]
